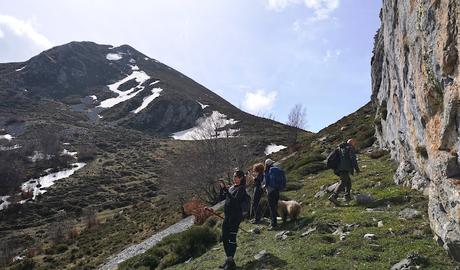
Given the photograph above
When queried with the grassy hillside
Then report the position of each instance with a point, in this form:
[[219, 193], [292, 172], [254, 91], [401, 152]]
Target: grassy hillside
[[336, 234], [322, 249]]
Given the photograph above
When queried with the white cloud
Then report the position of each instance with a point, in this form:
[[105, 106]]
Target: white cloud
[[23, 29], [279, 5], [321, 8], [259, 101], [331, 55]]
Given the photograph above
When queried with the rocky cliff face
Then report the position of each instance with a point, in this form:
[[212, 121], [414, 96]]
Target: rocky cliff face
[[415, 75]]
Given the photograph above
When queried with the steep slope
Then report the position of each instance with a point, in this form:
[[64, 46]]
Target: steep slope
[[415, 78], [324, 237]]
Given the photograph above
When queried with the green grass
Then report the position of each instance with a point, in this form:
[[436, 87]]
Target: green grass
[[175, 249], [322, 249]]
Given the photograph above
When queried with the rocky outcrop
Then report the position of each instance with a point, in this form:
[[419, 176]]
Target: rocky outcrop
[[415, 76]]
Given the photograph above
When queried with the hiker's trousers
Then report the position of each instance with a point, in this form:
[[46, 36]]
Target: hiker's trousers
[[229, 231], [344, 185], [255, 211], [273, 197]]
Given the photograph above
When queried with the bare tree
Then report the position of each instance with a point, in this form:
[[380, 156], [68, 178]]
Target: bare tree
[[269, 116], [6, 253], [213, 155], [58, 230], [90, 217], [298, 117]]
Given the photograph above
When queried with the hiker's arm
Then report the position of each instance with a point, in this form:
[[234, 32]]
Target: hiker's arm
[[354, 161], [238, 195]]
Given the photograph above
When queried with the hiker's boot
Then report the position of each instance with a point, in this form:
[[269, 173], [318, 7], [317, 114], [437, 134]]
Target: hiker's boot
[[222, 266], [230, 265], [333, 199], [347, 198], [255, 221]]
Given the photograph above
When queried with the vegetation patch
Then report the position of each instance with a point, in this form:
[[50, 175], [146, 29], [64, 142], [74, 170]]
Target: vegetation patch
[[175, 249]]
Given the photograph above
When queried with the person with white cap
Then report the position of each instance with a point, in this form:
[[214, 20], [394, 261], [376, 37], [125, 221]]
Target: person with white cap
[[274, 182]]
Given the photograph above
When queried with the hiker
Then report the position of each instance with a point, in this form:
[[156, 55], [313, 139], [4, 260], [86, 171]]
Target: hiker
[[258, 192], [234, 198], [274, 182], [347, 164]]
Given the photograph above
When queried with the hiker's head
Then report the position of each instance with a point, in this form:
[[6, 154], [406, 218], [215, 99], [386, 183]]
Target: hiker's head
[[352, 142], [269, 163], [239, 178], [258, 168]]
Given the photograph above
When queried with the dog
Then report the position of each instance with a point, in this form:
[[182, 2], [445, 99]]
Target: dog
[[289, 209]]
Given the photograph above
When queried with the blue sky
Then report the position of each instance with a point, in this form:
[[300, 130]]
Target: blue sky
[[264, 56]]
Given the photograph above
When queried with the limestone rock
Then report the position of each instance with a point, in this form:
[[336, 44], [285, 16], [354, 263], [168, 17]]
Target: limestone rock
[[364, 199], [409, 213], [415, 82], [262, 254], [412, 261], [370, 236]]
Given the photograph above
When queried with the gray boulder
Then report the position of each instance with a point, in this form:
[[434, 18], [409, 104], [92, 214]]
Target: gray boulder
[[409, 213]]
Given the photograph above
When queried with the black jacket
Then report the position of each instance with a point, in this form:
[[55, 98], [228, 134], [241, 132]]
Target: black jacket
[[348, 162], [258, 181], [233, 199]]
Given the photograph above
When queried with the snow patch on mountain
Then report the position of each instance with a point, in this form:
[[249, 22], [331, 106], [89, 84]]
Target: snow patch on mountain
[[4, 202], [202, 105], [7, 137], [147, 100], [19, 69], [210, 127], [38, 186], [113, 56], [273, 148], [139, 76], [8, 148], [134, 67]]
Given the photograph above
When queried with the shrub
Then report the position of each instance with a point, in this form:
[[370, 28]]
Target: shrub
[[196, 208], [87, 153], [27, 264], [175, 249]]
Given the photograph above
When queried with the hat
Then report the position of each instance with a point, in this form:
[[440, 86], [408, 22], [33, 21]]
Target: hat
[[269, 162]]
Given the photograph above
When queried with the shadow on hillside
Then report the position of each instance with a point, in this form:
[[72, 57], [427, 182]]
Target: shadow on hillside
[[269, 261]]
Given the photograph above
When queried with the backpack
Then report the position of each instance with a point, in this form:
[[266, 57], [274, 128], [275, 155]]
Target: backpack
[[333, 160], [277, 178], [345, 158], [246, 205]]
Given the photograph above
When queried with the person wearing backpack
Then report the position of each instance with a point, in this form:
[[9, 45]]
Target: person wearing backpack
[[274, 182], [345, 165], [235, 197], [258, 192]]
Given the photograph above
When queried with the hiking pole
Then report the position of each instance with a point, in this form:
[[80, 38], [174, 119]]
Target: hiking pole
[[221, 217]]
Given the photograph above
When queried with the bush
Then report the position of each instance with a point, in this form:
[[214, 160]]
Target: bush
[[175, 249], [87, 153], [27, 264]]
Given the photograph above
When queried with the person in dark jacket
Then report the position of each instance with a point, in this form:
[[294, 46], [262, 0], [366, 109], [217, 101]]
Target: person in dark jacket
[[258, 192], [233, 211], [348, 165], [273, 194]]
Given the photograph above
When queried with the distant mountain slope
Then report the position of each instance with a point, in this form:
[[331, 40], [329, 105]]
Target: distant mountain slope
[[112, 110], [122, 86]]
